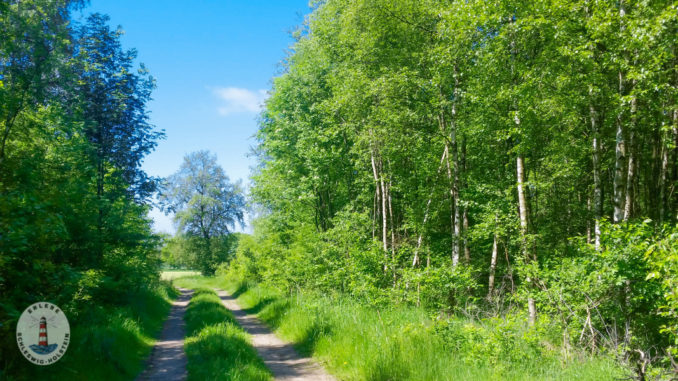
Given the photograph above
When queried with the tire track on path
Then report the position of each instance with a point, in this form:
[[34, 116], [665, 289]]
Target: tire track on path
[[168, 360], [280, 357]]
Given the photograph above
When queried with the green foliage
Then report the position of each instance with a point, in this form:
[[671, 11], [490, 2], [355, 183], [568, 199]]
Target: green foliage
[[177, 252], [205, 205], [457, 155], [614, 298], [188, 252], [662, 258], [73, 197], [366, 343], [216, 347]]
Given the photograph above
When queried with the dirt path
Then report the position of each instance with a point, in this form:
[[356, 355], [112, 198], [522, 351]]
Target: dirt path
[[280, 357], [168, 360]]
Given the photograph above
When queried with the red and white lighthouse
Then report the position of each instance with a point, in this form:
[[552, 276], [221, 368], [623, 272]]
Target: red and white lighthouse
[[42, 338]]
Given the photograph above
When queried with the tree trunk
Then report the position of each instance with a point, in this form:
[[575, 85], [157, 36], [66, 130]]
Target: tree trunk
[[384, 223], [493, 263], [522, 206], [620, 148], [453, 173], [375, 211], [378, 190], [630, 175], [662, 178], [619, 186], [671, 194], [453, 176], [597, 182], [467, 249], [390, 213]]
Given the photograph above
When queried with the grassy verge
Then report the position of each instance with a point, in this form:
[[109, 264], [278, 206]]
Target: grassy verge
[[362, 343], [216, 347], [109, 343]]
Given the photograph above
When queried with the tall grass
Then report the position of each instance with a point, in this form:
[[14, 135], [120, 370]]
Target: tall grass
[[109, 343], [216, 347], [402, 343]]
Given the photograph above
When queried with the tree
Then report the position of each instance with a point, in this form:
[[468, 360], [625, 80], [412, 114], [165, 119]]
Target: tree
[[66, 235], [206, 205], [110, 96], [33, 45]]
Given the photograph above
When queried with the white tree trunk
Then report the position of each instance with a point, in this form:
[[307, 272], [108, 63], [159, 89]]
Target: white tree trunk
[[628, 204], [597, 182], [453, 176], [384, 223], [390, 213], [522, 206], [630, 174], [620, 148], [467, 250], [379, 182], [493, 264]]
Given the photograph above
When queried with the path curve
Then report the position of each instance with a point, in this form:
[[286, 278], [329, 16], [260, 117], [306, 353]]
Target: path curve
[[280, 357], [168, 360]]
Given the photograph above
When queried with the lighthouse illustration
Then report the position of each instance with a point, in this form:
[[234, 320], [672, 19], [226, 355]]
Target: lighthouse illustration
[[42, 336], [43, 347]]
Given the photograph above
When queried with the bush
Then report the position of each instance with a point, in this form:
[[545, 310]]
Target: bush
[[621, 297]]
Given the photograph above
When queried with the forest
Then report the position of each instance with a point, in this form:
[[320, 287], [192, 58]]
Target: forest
[[478, 189], [480, 159]]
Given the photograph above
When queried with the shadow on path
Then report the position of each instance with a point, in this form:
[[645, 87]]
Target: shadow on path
[[168, 360], [280, 357]]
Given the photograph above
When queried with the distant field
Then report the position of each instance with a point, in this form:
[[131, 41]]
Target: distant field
[[174, 274]]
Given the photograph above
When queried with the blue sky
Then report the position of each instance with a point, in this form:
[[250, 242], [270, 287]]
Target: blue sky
[[213, 61]]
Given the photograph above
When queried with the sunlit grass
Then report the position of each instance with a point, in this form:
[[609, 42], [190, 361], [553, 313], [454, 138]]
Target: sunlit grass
[[362, 343], [174, 274], [216, 347], [199, 281]]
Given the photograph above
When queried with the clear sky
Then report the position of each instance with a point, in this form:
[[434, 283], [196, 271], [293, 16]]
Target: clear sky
[[213, 61]]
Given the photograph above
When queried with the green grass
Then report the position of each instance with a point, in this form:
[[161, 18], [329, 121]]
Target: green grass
[[199, 281], [110, 343], [216, 347], [361, 343], [174, 274]]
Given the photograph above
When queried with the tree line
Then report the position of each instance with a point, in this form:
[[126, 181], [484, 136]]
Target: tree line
[[486, 158], [73, 198]]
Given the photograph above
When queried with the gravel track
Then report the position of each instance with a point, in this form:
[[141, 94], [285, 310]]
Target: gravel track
[[280, 357]]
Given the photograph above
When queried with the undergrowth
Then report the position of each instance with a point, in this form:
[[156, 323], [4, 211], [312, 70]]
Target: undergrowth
[[356, 342]]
